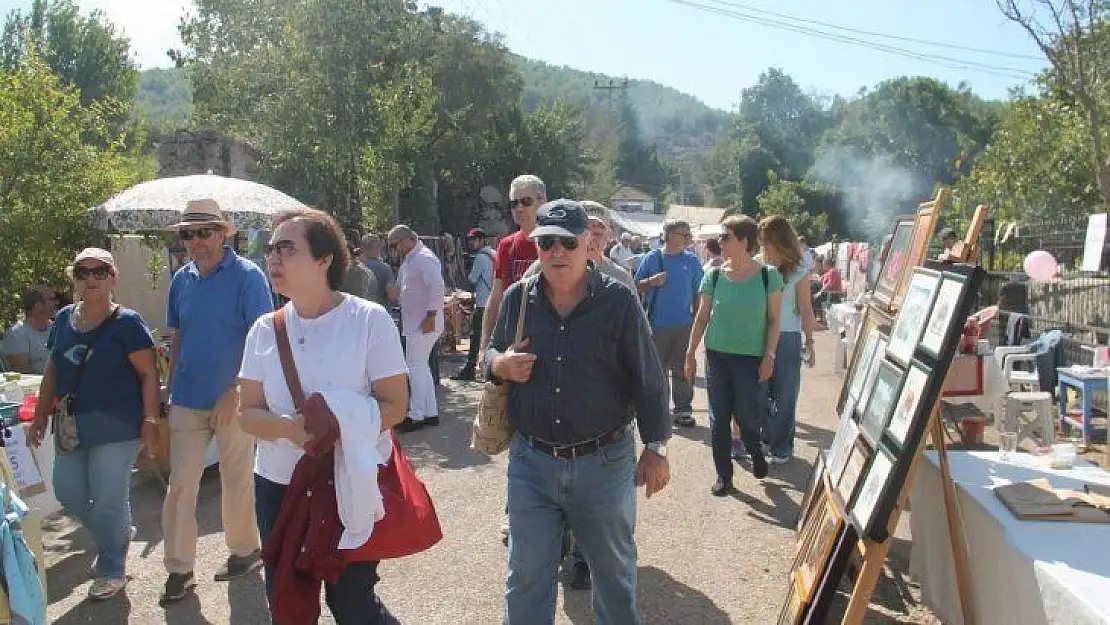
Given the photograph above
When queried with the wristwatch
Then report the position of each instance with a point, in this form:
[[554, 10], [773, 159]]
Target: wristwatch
[[657, 448]]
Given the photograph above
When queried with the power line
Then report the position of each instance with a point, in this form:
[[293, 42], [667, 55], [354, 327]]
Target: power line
[[936, 59], [951, 46]]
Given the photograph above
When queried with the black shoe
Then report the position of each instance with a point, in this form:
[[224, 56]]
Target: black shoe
[[430, 422], [580, 579], [759, 466], [177, 586], [684, 418], [238, 566], [409, 425], [721, 487], [466, 375]]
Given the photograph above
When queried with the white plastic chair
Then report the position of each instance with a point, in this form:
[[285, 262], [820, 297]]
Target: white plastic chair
[[1010, 355]]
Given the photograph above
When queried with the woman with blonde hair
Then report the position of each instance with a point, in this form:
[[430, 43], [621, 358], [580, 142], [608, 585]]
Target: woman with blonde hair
[[782, 250], [738, 314], [103, 377]]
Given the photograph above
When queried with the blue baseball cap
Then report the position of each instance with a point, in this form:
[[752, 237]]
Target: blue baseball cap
[[561, 218]]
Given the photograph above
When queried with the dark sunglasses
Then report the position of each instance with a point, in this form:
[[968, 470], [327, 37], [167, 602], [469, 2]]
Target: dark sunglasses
[[284, 248], [547, 241], [100, 273], [526, 202], [198, 233]]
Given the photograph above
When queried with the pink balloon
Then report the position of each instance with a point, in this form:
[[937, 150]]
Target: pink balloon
[[1040, 265]]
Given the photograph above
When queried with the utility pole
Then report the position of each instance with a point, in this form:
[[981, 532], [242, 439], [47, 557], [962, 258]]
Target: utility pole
[[611, 87]]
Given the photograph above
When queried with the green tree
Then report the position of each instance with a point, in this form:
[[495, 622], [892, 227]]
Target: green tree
[[739, 169], [86, 51], [53, 174], [786, 198], [787, 121]]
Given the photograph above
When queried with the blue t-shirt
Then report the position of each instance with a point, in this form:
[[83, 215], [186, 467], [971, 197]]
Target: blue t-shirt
[[108, 402], [212, 315], [671, 305]]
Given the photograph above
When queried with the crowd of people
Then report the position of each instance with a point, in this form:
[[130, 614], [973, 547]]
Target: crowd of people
[[612, 330]]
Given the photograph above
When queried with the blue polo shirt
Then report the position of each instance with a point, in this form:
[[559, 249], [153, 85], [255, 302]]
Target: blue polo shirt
[[212, 315], [671, 305]]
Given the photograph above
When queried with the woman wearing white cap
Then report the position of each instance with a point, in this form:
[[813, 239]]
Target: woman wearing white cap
[[103, 378]]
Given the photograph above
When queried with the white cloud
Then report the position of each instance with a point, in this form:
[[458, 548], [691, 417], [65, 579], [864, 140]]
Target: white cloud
[[151, 25]]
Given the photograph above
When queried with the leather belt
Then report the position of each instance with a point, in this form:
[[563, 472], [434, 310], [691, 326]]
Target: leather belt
[[574, 450]]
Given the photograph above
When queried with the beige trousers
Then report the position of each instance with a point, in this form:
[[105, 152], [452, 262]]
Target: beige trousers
[[190, 433]]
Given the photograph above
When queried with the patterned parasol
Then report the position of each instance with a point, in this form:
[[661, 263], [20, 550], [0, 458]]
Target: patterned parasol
[[158, 204]]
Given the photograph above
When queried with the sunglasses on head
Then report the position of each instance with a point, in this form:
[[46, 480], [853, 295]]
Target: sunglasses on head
[[547, 241], [284, 248], [526, 202], [197, 233], [84, 273]]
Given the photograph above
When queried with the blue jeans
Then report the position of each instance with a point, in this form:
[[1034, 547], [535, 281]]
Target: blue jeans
[[734, 389], [94, 486], [351, 598], [595, 496], [780, 411]]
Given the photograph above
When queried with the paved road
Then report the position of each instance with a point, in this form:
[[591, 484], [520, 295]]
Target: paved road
[[702, 559]]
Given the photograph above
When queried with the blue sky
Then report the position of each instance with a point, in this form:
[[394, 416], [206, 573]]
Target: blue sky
[[708, 54]]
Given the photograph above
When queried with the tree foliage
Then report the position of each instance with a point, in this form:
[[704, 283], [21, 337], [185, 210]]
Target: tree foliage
[[59, 159]]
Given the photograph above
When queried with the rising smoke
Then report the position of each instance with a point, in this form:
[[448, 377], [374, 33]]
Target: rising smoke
[[875, 188]]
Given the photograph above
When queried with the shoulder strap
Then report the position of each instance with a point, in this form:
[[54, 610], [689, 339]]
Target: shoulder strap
[[99, 330], [285, 352], [525, 287], [713, 280], [654, 292], [766, 280]]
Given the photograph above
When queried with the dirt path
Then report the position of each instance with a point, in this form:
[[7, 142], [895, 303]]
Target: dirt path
[[702, 559]]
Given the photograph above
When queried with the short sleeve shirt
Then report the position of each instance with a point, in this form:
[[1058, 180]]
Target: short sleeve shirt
[[515, 254], [671, 305], [23, 340], [108, 401], [738, 323], [347, 348]]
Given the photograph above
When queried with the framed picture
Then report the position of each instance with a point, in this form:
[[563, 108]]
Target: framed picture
[[905, 416], [867, 356], [874, 417], [943, 313], [812, 567], [818, 609], [815, 489], [853, 469], [846, 435], [791, 611], [872, 373], [867, 509], [873, 319], [896, 261], [924, 227], [911, 319]]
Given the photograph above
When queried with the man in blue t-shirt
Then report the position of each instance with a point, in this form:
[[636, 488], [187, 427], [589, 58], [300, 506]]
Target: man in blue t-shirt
[[213, 301], [668, 279]]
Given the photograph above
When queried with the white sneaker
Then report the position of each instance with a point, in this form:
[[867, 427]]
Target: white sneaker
[[105, 588], [505, 532], [134, 532]]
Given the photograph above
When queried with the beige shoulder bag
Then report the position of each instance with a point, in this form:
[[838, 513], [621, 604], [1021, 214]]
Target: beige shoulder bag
[[493, 429]]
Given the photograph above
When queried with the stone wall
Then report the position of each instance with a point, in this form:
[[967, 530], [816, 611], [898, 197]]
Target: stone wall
[[188, 152]]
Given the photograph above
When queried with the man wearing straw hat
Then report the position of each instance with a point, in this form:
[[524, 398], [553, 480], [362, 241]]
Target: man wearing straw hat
[[213, 301]]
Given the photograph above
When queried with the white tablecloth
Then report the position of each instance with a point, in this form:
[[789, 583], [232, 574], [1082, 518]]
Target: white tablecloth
[[1021, 571]]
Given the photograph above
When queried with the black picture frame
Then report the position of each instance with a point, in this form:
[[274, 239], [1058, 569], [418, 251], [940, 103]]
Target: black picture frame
[[877, 490], [913, 315], [942, 316], [881, 401], [910, 408], [872, 373], [817, 613]]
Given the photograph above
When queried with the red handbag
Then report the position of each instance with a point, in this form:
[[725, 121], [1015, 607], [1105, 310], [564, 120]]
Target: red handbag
[[410, 524]]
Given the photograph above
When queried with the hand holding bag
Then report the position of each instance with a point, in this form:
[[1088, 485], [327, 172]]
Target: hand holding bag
[[65, 420], [410, 524], [493, 429]]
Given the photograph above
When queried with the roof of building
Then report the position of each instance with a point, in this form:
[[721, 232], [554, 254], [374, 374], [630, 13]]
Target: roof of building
[[696, 215], [638, 223], [630, 194]]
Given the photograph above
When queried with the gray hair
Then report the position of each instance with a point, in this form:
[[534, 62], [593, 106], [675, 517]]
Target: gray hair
[[670, 225], [528, 181], [371, 242], [401, 232]]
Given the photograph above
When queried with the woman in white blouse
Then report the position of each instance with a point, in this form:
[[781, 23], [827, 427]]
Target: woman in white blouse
[[339, 343]]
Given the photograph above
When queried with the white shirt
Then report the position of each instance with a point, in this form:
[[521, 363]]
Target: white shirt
[[420, 280], [347, 348], [621, 254]]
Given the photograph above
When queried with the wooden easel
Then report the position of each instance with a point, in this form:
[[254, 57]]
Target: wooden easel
[[875, 553], [967, 251]]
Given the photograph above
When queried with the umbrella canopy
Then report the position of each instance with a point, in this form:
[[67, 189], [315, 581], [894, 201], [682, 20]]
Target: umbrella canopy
[[160, 203]]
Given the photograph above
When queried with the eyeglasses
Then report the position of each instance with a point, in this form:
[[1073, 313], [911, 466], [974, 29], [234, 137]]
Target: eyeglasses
[[547, 241], [198, 233], [284, 248], [100, 273], [526, 202]]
